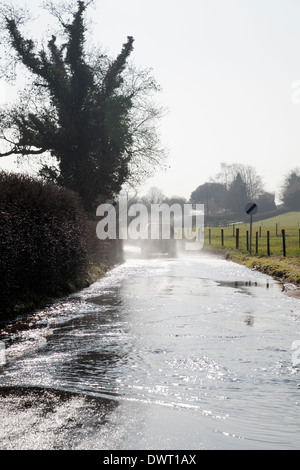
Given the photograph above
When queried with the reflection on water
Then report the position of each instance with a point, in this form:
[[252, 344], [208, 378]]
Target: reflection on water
[[186, 353], [50, 419], [249, 320], [245, 286]]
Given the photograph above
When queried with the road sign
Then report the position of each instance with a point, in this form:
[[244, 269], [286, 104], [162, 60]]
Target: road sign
[[251, 208]]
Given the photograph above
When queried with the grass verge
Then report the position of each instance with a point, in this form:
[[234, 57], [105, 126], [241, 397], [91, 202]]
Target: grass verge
[[267, 254], [281, 268]]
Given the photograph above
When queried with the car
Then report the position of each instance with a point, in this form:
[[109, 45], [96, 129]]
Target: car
[[158, 239]]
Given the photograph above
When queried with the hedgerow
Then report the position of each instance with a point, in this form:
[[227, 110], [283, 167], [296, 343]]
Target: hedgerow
[[42, 239]]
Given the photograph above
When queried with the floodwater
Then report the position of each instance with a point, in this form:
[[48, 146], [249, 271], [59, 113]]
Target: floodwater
[[188, 353]]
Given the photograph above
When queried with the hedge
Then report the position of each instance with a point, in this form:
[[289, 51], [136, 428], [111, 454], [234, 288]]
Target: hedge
[[42, 239]]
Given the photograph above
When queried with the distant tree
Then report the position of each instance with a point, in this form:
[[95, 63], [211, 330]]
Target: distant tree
[[212, 195], [266, 202], [237, 196], [253, 182], [291, 190], [94, 115], [176, 200], [154, 196]]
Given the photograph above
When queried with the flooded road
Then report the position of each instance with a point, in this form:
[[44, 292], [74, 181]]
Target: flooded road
[[188, 353]]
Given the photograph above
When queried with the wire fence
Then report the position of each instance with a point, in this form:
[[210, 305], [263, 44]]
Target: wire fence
[[265, 241]]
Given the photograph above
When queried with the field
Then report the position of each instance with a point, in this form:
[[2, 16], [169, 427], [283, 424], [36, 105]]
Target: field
[[288, 219], [272, 251]]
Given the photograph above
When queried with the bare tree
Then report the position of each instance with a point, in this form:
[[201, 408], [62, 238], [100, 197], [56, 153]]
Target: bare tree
[[248, 174]]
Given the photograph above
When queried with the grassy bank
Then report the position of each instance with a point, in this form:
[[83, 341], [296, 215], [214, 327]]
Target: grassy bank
[[283, 269], [267, 254]]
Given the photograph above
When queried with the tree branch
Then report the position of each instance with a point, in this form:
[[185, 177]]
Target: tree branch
[[22, 151]]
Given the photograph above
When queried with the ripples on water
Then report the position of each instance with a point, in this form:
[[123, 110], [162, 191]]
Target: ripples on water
[[187, 353]]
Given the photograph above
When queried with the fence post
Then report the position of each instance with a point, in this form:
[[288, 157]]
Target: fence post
[[237, 233], [256, 244], [260, 232], [222, 237], [268, 242], [247, 239], [283, 242]]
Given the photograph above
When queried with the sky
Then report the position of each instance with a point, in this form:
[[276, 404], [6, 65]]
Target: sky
[[230, 75]]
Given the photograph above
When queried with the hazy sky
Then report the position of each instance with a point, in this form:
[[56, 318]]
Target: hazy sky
[[226, 68]]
